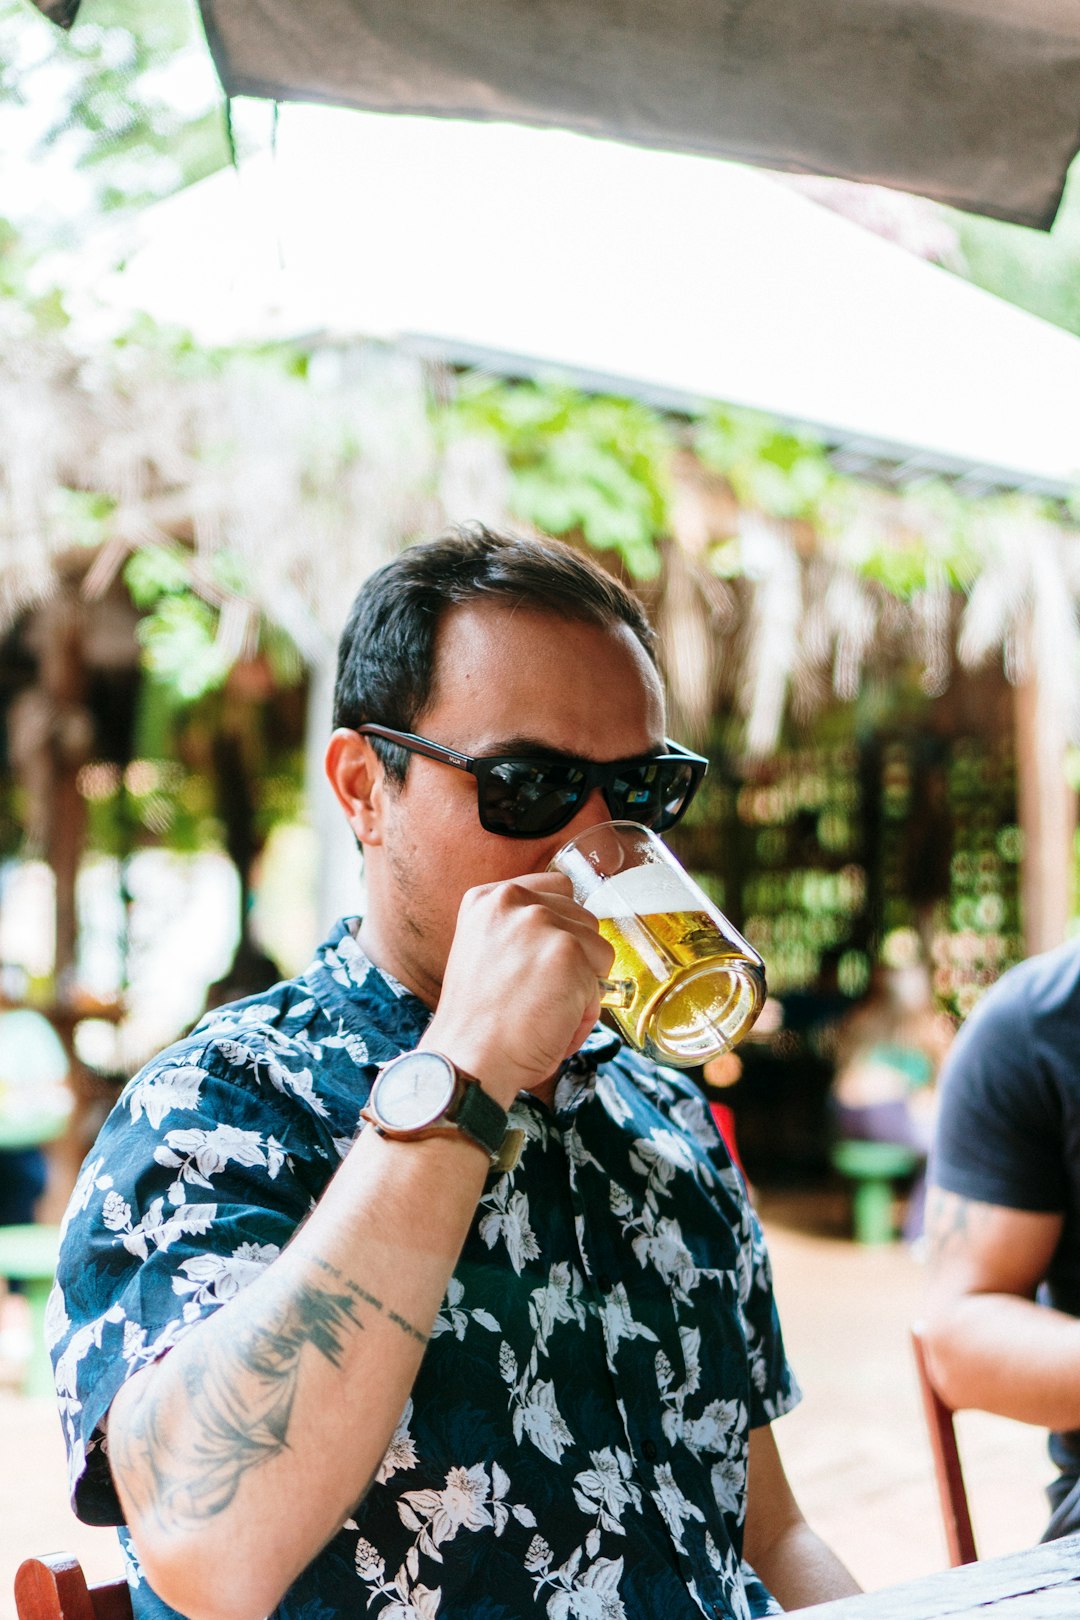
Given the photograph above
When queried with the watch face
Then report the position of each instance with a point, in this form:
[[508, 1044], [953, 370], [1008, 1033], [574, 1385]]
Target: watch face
[[413, 1091]]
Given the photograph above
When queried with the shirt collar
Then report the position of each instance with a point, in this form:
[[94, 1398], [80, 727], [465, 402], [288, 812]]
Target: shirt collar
[[348, 985], [391, 1019]]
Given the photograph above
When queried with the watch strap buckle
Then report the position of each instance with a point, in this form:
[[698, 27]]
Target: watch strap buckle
[[510, 1152]]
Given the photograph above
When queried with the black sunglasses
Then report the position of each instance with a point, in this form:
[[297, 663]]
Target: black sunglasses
[[519, 797]]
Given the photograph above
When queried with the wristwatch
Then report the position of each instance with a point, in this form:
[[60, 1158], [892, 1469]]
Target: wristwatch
[[423, 1094]]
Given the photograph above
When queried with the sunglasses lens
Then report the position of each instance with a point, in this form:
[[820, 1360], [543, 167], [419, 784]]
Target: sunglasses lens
[[523, 798], [653, 794]]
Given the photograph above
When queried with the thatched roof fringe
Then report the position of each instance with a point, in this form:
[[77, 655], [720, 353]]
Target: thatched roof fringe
[[932, 611], [772, 563], [1055, 633], [308, 483], [1024, 601], [238, 631], [690, 645], [24, 586], [105, 566], [995, 601], [854, 618]]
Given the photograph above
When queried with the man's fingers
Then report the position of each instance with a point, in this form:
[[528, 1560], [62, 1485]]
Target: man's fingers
[[552, 894], [591, 1014], [538, 883], [576, 920]]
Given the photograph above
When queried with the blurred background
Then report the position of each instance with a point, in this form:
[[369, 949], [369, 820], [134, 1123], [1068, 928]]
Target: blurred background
[[248, 352]]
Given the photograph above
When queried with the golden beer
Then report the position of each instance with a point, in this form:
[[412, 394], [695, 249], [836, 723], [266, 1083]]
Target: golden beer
[[686, 986]]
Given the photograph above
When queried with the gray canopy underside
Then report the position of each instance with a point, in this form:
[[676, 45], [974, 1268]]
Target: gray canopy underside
[[971, 102]]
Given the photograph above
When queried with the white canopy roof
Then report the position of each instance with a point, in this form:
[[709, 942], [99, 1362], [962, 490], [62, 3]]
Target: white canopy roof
[[680, 277]]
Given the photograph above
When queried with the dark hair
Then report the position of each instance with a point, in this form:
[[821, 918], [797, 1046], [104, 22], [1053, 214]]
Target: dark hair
[[386, 657]]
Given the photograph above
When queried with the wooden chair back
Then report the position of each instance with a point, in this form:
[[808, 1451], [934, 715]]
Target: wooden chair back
[[955, 1513], [54, 1588]]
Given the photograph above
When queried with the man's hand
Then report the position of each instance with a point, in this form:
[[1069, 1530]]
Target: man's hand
[[520, 990]]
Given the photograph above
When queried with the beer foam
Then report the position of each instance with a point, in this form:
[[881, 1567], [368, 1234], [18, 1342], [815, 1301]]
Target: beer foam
[[641, 891]]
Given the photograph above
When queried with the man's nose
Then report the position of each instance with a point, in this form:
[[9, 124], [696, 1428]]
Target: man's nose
[[590, 814]]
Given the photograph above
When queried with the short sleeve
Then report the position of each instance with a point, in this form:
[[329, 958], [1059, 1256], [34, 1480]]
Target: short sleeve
[[197, 1180], [998, 1136], [774, 1388]]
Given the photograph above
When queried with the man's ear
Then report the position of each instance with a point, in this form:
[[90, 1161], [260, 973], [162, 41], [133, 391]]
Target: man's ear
[[356, 774]]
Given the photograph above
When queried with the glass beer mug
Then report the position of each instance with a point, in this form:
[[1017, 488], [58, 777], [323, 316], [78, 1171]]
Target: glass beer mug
[[685, 985]]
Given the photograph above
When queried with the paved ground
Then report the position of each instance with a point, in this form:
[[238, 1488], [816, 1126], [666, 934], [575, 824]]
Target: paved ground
[[855, 1449]]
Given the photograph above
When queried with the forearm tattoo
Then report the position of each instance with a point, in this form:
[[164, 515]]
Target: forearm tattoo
[[238, 1400], [362, 1295]]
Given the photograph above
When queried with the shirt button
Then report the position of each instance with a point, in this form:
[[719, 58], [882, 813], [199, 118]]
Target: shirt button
[[604, 1283], [649, 1451]]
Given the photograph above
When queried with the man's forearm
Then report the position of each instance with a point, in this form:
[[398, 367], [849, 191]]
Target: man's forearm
[[240, 1454], [1007, 1355], [237, 1390], [793, 1561], [800, 1570]]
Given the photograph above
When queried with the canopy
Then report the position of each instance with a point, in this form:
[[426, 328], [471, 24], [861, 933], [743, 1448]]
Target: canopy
[[679, 278], [971, 102]]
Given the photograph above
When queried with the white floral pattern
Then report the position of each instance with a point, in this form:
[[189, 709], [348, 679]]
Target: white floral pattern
[[574, 1446]]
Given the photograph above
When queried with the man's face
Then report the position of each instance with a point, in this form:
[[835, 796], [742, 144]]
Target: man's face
[[507, 680]]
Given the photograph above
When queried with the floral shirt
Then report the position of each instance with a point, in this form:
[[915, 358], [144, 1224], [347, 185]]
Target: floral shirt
[[575, 1444]]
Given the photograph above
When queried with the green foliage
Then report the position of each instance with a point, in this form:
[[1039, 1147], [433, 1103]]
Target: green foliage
[[131, 91], [179, 627], [155, 801], [770, 469], [579, 463], [12, 820], [155, 572], [41, 311], [282, 654], [80, 516], [601, 467], [179, 645], [1038, 270], [282, 794], [932, 540], [178, 630], [14, 262], [936, 543]]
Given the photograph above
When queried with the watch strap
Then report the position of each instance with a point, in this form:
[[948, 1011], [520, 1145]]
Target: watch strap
[[480, 1116]]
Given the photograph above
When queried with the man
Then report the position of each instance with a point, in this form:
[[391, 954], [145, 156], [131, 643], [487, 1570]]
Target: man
[[403, 1378], [1003, 1217]]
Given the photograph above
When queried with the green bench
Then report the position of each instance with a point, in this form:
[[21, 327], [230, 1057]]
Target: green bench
[[28, 1256], [873, 1167]]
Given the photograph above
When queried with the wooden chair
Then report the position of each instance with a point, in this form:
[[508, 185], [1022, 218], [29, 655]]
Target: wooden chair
[[54, 1588], [956, 1516]]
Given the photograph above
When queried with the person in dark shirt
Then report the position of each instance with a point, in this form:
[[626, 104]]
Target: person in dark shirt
[[1003, 1215]]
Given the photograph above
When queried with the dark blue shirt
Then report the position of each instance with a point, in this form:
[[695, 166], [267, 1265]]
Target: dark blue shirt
[[575, 1443], [1008, 1127]]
